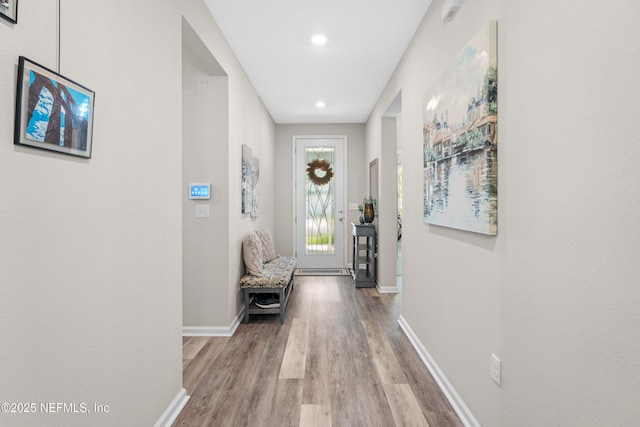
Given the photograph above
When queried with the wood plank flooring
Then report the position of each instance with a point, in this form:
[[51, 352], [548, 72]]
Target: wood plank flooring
[[340, 359]]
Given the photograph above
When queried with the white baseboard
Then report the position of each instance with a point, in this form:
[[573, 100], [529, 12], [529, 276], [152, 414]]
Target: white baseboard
[[388, 289], [213, 331], [449, 392], [172, 412]]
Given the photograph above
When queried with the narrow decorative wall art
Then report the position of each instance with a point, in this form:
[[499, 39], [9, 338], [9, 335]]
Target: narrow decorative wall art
[[460, 144], [9, 10], [52, 112], [250, 181]]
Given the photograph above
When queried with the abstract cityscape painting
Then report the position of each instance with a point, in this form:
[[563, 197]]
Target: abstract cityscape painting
[[52, 112], [460, 144]]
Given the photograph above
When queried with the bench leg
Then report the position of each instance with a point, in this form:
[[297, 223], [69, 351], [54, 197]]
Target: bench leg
[[283, 304], [246, 308]]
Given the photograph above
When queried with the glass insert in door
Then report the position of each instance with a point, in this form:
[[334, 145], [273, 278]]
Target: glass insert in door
[[320, 201]]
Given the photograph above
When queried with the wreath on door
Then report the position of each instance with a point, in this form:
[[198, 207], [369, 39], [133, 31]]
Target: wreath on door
[[319, 172]]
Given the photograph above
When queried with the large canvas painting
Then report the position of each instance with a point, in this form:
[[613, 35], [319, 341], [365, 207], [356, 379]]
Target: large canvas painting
[[460, 139], [250, 181]]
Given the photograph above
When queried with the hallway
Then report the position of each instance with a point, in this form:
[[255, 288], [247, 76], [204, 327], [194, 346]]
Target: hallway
[[340, 359]]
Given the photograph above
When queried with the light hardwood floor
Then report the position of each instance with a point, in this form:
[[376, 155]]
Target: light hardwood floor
[[340, 359]]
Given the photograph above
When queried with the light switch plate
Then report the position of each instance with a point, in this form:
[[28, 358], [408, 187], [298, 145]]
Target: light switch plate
[[496, 369], [202, 211]]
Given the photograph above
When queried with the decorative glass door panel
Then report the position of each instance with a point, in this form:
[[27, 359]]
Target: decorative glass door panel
[[320, 201]]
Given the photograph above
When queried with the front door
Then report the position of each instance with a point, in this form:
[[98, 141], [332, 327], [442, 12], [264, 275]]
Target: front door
[[319, 188]]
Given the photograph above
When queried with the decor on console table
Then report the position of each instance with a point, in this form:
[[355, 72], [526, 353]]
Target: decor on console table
[[361, 210], [52, 112], [369, 210], [9, 10]]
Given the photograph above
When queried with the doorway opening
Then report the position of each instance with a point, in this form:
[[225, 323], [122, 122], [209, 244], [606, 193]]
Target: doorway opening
[[390, 263], [205, 129]]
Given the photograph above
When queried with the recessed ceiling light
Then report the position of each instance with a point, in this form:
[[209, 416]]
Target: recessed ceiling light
[[320, 104], [319, 39]]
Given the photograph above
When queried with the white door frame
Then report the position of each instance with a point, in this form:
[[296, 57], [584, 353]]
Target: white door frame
[[341, 224]]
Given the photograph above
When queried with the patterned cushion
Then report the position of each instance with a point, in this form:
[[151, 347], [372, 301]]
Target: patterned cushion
[[268, 248], [252, 254], [276, 274]]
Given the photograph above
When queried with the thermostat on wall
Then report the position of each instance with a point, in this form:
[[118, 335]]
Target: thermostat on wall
[[199, 191]]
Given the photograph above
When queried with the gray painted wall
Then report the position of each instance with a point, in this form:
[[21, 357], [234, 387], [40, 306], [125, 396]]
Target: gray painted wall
[[90, 259], [205, 248], [555, 295]]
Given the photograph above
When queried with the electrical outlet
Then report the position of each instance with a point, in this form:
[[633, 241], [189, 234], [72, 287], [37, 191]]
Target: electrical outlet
[[495, 369]]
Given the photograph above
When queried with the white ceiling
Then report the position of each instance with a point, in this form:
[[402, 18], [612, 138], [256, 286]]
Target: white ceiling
[[271, 39]]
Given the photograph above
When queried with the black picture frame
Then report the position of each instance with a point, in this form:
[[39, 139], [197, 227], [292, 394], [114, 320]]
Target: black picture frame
[[9, 10], [53, 112]]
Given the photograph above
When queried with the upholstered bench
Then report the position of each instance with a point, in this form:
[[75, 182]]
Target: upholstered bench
[[267, 273]]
